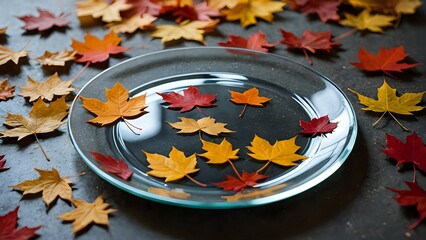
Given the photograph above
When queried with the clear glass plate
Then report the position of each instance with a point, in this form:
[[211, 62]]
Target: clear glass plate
[[297, 92]]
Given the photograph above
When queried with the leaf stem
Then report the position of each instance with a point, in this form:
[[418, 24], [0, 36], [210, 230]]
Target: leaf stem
[[201, 111], [400, 124], [345, 34], [78, 175], [307, 57], [25, 45], [199, 134], [414, 173], [130, 125], [41, 147], [80, 72], [243, 111], [264, 166], [374, 124], [235, 170], [196, 182]]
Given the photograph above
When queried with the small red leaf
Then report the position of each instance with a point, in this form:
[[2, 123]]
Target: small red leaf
[[325, 9], [317, 126], [109, 164], [247, 180], [191, 98], [2, 162], [255, 41], [8, 229], [200, 11], [45, 21]]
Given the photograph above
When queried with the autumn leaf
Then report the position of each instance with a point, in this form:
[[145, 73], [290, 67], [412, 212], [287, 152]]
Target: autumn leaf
[[45, 21], [56, 58], [2, 167], [248, 11], [86, 213], [254, 193], [248, 97], [7, 54], [191, 98], [416, 196], [94, 50], [8, 229], [50, 183], [141, 7], [318, 126], [199, 11], [207, 125], [412, 151], [220, 4], [386, 60], [174, 193], [325, 9], [174, 167], [389, 6], [53, 86], [247, 180], [109, 164], [6, 91], [109, 12], [3, 30], [367, 21], [256, 41], [132, 24], [388, 102], [309, 41], [219, 153], [189, 30]]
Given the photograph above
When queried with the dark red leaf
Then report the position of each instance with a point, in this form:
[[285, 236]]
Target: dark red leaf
[[109, 164], [200, 11], [247, 180], [412, 151], [8, 229], [45, 21], [139, 7], [317, 126], [2, 162], [416, 196], [325, 9], [191, 98], [255, 41]]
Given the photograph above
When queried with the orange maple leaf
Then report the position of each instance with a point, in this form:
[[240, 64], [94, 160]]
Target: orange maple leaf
[[249, 97]]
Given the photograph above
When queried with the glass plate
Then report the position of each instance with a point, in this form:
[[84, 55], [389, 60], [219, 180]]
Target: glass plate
[[297, 93]]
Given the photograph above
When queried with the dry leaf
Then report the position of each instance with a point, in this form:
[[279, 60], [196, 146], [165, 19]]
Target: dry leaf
[[219, 153], [174, 193], [109, 12], [220, 4], [86, 213], [194, 11], [325, 9], [389, 6], [248, 97], [6, 91], [8, 229], [7, 54], [56, 58], [53, 86], [256, 41], [206, 124], [132, 24], [3, 30], [45, 21], [50, 183], [140, 7], [367, 21], [2, 163]]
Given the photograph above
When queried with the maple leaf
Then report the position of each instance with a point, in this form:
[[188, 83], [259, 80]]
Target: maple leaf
[[386, 60], [412, 151], [94, 50], [8, 229], [325, 9], [86, 213], [388, 102], [53, 86], [189, 30], [247, 180], [389, 6], [45, 21], [109, 164], [219, 153], [282, 152], [416, 196], [367, 21], [132, 24], [191, 98], [7, 54], [207, 125], [174, 193], [254, 193], [248, 97], [109, 12], [256, 41], [3, 30], [50, 183], [200, 11], [220, 4], [2, 168], [317, 126], [56, 58], [6, 91], [247, 11], [174, 167], [309, 41], [140, 7]]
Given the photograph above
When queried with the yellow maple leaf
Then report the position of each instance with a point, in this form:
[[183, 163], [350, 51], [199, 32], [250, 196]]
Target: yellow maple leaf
[[388, 102], [367, 21], [247, 10], [206, 124], [282, 152], [174, 193], [6, 91], [50, 183], [86, 213], [189, 30], [7, 54], [389, 6], [130, 25], [177, 3], [219, 153], [53, 86], [56, 58], [109, 12], [220, 4]]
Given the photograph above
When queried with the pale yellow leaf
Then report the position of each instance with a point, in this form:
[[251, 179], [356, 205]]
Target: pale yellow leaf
[[53, 86]]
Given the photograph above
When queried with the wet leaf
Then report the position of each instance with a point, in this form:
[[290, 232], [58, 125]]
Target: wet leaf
[[8, 229], [254, 193], [56, 58], [367, 21], [207, 125], [6, 91], [317, 126], [248, 97], [190, 99], [174, 193], [219, 153], [45, 21], [53, 86], [109, 164], [247, 180]]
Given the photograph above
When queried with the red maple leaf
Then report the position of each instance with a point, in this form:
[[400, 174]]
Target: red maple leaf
[[109, 164], [247, 180], [191, 98], [139, 7], [200, 11], [45, 21], [325, 9], [412, 151], [8, 229], [255, 41], [317, 126], [386, 60], [309, 41], [416, 196], [2, 162]]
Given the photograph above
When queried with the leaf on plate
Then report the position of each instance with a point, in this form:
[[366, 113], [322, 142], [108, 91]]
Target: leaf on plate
[[219, 153], [86, 213], [141, 7], [7, 54], [56, 58], [45, 21], [318, 126], [207, 125], [248, 11], [189, 30], [50, 183], [253, 193], [174, 193], [325, 9], [2, 163], [247, 180], [6, 91], [130, 25], [220, 4], [109, 164], [416, 196], [196, 11], [256, 41], [94, 50], [53, 86], [386, 60], [309, 41], [249, 97], [388, 102], [174, 167], [3, 30], [109, 12], [8, 229], [397, 7], [191, 98], [367, 21]]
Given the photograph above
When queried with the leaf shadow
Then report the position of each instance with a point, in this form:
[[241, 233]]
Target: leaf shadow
[[46, 33], [3, 38], [13, 69], [49, 70]]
